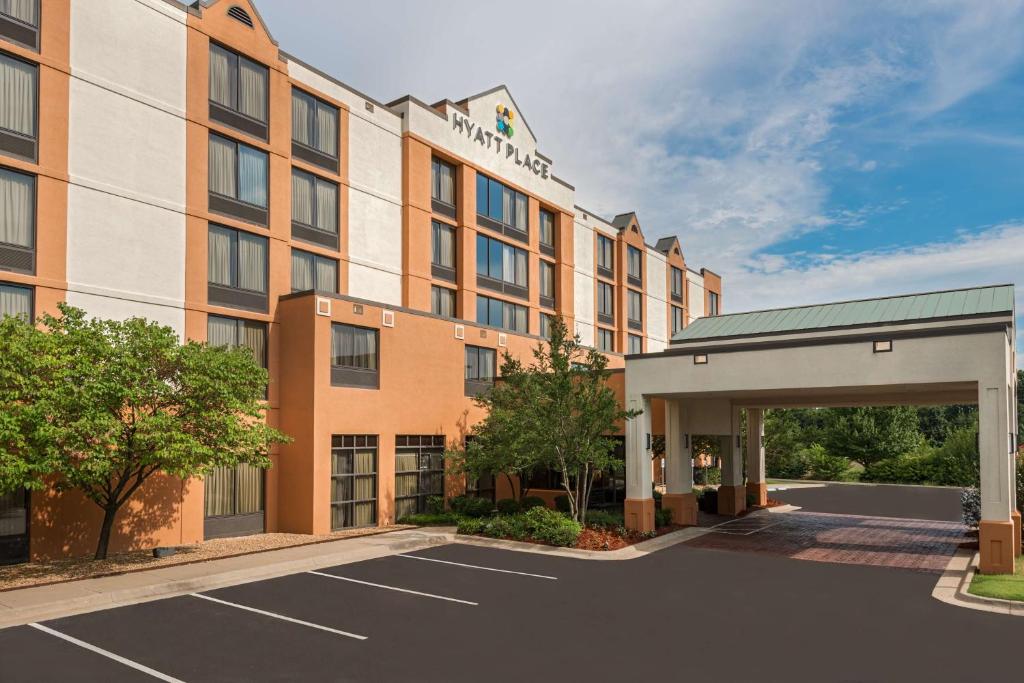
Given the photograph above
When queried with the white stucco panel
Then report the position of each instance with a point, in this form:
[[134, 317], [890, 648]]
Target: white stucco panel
[[583, 297], [118, 309], [586, 333], [694, 296], [374, 231], [380, 116], [657, 276], [374, 160], [374, 284], [583, 248], [657, 323]]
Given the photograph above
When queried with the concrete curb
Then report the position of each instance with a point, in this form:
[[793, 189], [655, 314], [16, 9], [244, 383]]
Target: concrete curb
[[630, 552], [951, 587]]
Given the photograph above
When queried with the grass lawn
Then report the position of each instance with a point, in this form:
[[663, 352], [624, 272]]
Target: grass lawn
[[1004, 586]]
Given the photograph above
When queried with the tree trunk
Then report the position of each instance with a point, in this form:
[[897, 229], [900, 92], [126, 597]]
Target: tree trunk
[[109, 513]]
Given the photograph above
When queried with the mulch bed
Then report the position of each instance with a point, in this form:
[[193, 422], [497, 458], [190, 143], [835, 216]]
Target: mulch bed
[[607, 539]]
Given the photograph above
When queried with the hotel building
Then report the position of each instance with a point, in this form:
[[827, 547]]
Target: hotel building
[[172, 162]]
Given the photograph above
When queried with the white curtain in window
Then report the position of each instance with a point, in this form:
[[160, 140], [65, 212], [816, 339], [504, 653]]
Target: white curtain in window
[[23, 10], [221, 256], [15, 301], [223, 86], [444, 246], [16, 208], [252, 176], [521, 268], [17, 96], [222, 167], [302, 198], [446, 180], [220, 491], [221, 331], [302, 271], [364, 349], [507, 206], [254, 338], [508, 264], [547, 228], [327, 129], [443, 302], [326, 275], [301, 115], [547, 280], [252, 91], [521, 211], [249, 487], [252, 262], [520, 319], [327, 206]]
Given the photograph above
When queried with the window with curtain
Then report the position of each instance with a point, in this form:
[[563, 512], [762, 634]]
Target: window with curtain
[[712, 303], [314, 202], [547, 280], [16, 301], [353, 481], [231, 491], [605, 340], [442, 301], [677, 319], [237, 259], [313, 272], [238, 171], [545, 325], [481, 364], [501, 203], [633, 261], [17, 208], [419, 472], [635, 306], [18, 92], [353, 347], [499, 313], [677, 282], [605, 299], [442, 181], [499, 261], [314, 123], [636, 344], [442, 244], [238, 83], [25, 11], [606, 253], [547, 228], [238, 333]]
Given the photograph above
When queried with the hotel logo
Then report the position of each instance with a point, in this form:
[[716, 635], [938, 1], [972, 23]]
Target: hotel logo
[[505, 118]]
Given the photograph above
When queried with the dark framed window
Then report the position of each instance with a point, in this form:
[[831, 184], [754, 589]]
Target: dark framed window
[[16, 301], [234, 501], [678, 319], [605, 303], [481, 487], [609, 489], [313, 272], [605, 340], [545, 325], [677, 284], [634, 271], [481, 368], [19, 22], [442, 187], [314, 209], [547, 284], [636, 343], [238, 180], [712, 303], [238, 333], [442, 255], [442, 301], [635, 314], [502, 267], [547, 232], [354, 357], [17, 221], [19, 107], [238, 91], [419, 472], [314, 131], [501, 208], [605, 256], [236, 268], [499, 313], [353, 481]]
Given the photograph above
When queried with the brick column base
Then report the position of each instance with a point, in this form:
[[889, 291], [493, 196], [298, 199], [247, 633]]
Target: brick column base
[[639, 514], [759, 491], [995, 540], [683, 507], [1015, 518], [732, 500]]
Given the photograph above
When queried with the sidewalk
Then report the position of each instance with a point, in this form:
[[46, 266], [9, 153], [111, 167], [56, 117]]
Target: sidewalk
[[88, 595]]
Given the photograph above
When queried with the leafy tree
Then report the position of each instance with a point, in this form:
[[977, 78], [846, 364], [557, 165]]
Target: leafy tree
[[101, 406], [867, 435], [556, 413], [936, 423]]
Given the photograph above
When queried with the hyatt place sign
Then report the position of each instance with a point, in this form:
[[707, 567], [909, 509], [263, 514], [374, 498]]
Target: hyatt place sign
[[484, 138]]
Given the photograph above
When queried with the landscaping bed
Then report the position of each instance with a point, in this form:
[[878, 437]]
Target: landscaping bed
[[1001, 586]]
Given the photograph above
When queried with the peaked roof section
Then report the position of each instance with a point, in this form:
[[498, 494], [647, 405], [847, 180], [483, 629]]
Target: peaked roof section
[[886, 310], [621, 221], [205, 4], [518, 109], [665, 244]]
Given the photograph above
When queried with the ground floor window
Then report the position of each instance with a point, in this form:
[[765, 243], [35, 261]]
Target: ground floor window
[[353, 481], [481, 487], [419, 472], [14, 526], [234, 501]]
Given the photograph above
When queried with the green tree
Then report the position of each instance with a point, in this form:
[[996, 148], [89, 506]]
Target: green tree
[[936, 423], [556, 413], [101, 406], [867, 435]]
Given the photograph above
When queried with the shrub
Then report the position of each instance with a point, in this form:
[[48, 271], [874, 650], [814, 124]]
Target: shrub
[[508, 506], [909, 468], [604, 520], [956, 463], [970, 504], [506, 526], [751, 500], [790, 465], [707, 475], [551, 527], [529, 502], [471, 525], [562, 504], [472, 507], [823, 466], [435, 505], [662, 517], [428, 519]]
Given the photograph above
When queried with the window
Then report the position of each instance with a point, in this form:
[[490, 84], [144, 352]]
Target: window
[[547, 232], [677, 284], [314, 131], [442, 301], [233, 501], [605, 340], [481, 487], [606, 303], [442, 187], [238, 91], [501, 267], [712, 303], [314, 209], [636, 344], [442, 258], [545, 325], [310, 271], [481, 366], [547, 285], [354, 358], [419, 472], [605, 256], [500, 314], [238, 333], [19, 22], [238, 180], [17, 221], [19, 85], [16, 301], [633, 266], [677, 319], [635, 313], [236, 269], [502, 208], [353, 481]]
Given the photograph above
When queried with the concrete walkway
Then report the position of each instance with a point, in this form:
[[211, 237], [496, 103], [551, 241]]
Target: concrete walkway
[[75, 597]]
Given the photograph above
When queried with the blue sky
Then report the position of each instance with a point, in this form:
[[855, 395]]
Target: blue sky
[[805, 151]]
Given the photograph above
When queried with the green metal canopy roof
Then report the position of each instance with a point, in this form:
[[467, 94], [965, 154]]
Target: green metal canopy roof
[[886, 310]]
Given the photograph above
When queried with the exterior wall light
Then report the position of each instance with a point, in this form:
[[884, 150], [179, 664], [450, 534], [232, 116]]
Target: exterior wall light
[[883, 346], [700, 359]]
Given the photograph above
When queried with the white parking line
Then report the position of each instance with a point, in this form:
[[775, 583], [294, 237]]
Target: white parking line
[[476, 566], [109, 655], [282, 617], [394, 588]]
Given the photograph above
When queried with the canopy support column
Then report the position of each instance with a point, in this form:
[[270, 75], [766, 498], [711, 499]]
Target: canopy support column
[[639, 503], [757, 489], [732, 494], [999, 536], [679, 497]]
